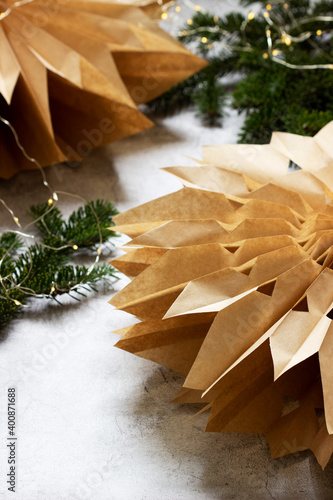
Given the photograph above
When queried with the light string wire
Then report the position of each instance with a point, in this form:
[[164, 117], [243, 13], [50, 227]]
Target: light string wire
[[273, 22], [25, 236]]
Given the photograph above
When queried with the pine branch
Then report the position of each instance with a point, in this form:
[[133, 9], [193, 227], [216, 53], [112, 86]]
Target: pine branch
[[210, 99], [81, 229], [272, 96], [43, 271], [203, 89]]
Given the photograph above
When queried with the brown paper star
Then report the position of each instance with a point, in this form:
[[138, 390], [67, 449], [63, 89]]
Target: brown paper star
[[73, 72], [233, 284]]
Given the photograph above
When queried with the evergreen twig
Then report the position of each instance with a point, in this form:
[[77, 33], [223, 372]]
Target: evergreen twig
[[272, 96], [41, 271]]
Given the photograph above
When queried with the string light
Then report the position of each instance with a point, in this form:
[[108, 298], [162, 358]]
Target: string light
[[286, 39], [213, 29], [164, 15], [54, 198], [274, 22], [301, 66], [25, 154], [324, 19]]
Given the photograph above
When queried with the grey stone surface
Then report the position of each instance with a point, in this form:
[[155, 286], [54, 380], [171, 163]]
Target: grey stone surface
[[95, 422]]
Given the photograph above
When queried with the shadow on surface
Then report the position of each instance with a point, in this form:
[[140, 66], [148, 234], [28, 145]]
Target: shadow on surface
[[228, 466]]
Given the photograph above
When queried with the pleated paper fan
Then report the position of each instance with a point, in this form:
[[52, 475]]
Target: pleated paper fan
[[72, 73], [233, 284]]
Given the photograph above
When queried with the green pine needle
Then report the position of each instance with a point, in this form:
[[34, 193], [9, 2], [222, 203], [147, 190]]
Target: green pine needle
[[42, 271], [272, 96]]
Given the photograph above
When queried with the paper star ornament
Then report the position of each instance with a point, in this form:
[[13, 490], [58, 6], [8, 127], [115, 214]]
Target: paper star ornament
[[72, 74], [233, 283]]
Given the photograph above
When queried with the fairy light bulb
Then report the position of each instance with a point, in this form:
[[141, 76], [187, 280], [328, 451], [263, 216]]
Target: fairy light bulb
[[184, 33], [178, 8], [250, 15], [266, 14], [287, 40], [189, 22], [319, 32], [197, 8], [268, 6], [164, 15], [265, 55], [216, 19], [204, 39], [275, 52], [50, 201]]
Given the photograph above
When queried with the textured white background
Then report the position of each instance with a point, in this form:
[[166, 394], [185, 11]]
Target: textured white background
[[95, 422]]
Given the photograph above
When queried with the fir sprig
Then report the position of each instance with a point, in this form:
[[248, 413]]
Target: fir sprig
[[81, 229], [44, 269], [273, 96]]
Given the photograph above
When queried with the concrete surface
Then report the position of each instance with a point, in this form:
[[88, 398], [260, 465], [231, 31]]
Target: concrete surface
[[95, 422]]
